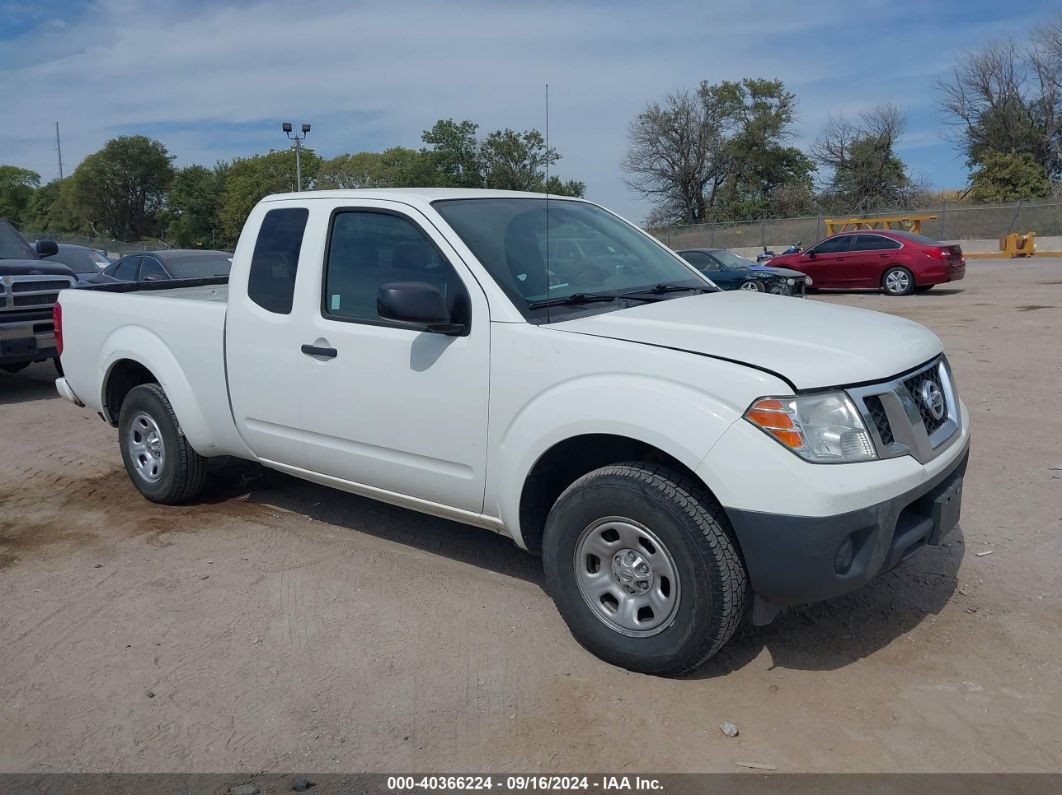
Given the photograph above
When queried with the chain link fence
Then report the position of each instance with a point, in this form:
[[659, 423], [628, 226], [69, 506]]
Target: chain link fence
[[100, 243], [953, 222]]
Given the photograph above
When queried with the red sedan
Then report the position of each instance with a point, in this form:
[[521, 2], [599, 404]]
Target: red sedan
[[896, 262]]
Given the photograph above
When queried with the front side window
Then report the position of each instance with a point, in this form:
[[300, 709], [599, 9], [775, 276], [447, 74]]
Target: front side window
[[369, 249], [580, 249], [271, 281], [699, 260], [834, 245], [127, 268]]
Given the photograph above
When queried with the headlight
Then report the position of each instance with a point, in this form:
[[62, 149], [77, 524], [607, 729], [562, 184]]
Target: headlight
[[790, 282], [807, 281], [823, 428]]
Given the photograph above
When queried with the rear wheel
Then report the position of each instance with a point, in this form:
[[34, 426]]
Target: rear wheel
[[643, 570], [159, 460], [897, 281]]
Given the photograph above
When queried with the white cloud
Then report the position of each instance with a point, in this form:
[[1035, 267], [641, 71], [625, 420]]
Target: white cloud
[[382, 72]]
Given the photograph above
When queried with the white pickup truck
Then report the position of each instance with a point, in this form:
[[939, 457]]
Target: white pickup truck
[[681, 457]]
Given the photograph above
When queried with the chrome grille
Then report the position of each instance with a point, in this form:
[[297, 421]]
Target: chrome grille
[[879, 418], [898, 418], [18, 293], [914, 386]]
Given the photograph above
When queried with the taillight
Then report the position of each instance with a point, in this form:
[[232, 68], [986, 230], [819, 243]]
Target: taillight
[[940, 253], [57, 318]]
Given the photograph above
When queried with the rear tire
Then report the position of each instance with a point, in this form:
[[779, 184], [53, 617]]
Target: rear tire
[[642, 568], [897, 281], [159, 460]]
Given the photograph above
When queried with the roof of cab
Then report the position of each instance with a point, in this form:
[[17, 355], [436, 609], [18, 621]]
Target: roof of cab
[[413, 194]]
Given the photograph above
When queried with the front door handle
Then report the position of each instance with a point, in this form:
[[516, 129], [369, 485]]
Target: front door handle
[[318, 350]]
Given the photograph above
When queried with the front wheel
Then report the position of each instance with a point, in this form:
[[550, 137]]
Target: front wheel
[[752, 287], [159, 460], [897, 281], [643, 569]]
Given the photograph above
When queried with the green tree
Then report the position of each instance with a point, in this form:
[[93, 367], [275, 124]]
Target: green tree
[[866, 174], [717, 154], [121, 189], [562, 187], [516, 161], [453, 161], [393, 168], [756, 117], [1007, 176], [53, 208], [17, 186], [251, 179], [192, 206]]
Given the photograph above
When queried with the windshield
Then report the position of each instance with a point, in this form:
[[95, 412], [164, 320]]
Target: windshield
[[199, 266], [591, 251], [12, 246], [730, 262], [81, 260]]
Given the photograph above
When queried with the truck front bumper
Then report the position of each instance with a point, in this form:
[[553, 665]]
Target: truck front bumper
[[799, 559]]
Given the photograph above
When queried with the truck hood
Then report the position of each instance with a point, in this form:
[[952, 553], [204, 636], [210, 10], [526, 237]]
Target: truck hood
[[33, 267], [808, 343]]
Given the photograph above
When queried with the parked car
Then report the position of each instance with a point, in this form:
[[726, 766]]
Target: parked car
[[29, 285], [732, 272], [88, 264], [896, 262], [676, 453], [178, 263]]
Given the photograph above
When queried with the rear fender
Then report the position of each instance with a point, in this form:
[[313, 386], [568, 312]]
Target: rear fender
[[143, 346]]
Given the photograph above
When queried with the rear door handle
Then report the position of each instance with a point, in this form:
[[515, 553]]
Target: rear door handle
[[317, 350]]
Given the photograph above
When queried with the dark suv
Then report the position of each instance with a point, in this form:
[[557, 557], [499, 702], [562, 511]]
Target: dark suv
[[29, 287]]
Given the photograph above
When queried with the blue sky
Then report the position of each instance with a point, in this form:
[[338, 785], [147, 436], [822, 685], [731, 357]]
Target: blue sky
[[215, 79]]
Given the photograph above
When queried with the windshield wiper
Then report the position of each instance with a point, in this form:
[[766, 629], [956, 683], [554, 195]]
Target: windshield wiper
[[574, 298], [664, 288]]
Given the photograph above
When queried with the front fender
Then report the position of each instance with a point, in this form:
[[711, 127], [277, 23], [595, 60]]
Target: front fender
[[143, 346], [671, 416]]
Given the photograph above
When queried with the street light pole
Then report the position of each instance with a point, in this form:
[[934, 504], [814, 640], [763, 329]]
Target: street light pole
[[297, 146]]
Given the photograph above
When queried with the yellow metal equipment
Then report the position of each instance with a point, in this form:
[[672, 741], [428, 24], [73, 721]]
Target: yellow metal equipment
[[908, 223], [1015, 245]]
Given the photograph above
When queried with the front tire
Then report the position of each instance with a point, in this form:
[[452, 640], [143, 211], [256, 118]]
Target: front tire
[[752, 286], [642, 568], [897, 281], [158, 459]]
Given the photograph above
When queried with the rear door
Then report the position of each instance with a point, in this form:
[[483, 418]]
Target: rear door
[[262, 335], [391, 407], [870, 256]]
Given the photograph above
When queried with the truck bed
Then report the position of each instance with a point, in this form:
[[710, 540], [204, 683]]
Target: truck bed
[[181, 323]]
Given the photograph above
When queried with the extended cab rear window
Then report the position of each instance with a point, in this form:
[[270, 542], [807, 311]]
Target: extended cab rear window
[[271, 282]]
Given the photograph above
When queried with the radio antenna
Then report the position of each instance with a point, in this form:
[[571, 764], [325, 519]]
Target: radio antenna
[[547, 203]]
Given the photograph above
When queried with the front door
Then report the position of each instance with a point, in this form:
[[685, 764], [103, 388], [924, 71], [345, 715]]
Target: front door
[[826, 263], [395, 408]]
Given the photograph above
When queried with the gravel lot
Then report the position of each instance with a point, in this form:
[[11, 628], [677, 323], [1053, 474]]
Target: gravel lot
[[277, 626]]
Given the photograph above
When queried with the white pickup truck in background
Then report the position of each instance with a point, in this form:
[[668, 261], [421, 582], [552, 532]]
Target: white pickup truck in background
[[681, 457]]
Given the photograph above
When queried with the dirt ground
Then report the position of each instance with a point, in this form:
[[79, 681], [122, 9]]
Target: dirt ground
[[275, 625]]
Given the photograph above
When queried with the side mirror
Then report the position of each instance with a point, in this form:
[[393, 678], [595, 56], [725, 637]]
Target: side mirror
[[46, 248], [416, 303], [809, 254]]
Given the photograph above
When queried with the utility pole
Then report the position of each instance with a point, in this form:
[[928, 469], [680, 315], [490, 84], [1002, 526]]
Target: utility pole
[[297, 146], [59, 151]]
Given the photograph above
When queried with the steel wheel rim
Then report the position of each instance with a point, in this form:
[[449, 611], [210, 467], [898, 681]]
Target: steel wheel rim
[[146, 449], [897, 282], [751, 287], [627, 577]]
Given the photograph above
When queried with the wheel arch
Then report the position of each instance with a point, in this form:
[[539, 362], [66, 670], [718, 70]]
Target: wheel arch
[[568, 460], [135, 355]]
